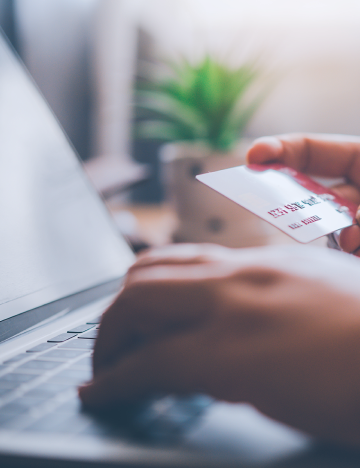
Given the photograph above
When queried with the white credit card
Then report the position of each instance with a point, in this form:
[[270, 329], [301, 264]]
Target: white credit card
[[284, 197]]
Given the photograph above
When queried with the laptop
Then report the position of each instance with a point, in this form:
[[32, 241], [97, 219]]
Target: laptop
[[62, 262]]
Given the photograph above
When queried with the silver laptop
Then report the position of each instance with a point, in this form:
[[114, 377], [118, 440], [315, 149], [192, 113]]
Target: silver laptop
[[61, 262]]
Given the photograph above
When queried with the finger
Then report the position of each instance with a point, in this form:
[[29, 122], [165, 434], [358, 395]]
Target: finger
[[184, 254], [189, 361], [260, 276], [192, 361], [166, 300], [349, 239], [156, 301], [349, 192], [323, 155], [165, 366]]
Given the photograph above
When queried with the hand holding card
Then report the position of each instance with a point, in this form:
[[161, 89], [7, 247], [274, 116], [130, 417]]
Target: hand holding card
[[284, 197], [320, 155]]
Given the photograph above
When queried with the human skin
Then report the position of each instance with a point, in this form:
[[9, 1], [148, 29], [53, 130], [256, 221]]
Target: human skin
[[204, 323], [286, 344], [319, 155]]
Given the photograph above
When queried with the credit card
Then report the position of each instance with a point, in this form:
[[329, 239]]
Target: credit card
[[289, 200]]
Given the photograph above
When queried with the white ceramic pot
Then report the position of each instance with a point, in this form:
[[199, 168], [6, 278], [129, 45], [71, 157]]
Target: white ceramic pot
[[203, 214]]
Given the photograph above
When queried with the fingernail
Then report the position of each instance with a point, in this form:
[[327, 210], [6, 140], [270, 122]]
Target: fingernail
[[270, 141]]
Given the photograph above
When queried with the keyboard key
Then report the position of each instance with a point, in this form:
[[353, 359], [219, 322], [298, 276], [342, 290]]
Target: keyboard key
[[90, 335], [48, 390], [13, 408], [17, 358], [79, 344], [73, 424], [81, 328], [61, 338], [74, 376], [5, 391], [61, 422], [95, 320], [63, 354], [14, 377], [37, 396], [28, 402], [48, 422], [84, 363], [71, 406], [6, 418], [41, 347], [40, 366], [8, 385]]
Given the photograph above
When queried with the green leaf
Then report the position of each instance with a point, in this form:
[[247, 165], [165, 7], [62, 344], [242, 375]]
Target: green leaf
[[159, 130], [172, 109], [207, 101]]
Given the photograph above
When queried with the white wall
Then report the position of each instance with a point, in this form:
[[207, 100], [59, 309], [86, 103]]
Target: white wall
[[314, 44], [55, 41], [114, 65]]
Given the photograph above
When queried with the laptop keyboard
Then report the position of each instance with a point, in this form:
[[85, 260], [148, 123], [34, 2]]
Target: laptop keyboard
[[38, 393], [38, 388]]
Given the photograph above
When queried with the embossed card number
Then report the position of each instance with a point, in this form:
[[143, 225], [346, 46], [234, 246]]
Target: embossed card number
[[287, 199]]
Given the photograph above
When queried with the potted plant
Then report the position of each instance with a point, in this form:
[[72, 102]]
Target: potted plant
[[201, 110]]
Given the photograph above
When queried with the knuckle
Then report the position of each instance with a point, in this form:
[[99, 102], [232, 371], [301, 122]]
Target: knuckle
[[260, 275]]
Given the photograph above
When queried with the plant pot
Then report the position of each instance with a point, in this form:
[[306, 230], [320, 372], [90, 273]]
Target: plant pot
[[203, 214]]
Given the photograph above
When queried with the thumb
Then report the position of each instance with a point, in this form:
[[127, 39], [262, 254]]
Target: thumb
[[349, 238], [264, 150]]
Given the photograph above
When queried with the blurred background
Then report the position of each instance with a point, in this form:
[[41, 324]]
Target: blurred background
[[86, 57]]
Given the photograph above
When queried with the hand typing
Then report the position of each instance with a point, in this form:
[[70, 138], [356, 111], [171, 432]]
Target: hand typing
[[190, 319]]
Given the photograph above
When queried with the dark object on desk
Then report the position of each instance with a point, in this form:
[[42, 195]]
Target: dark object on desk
[[137, 244]]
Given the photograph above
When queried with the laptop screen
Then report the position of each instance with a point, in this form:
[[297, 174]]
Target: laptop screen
[[56, 236]]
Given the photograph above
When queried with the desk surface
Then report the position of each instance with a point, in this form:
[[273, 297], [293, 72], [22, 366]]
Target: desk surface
[[156, 223]]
